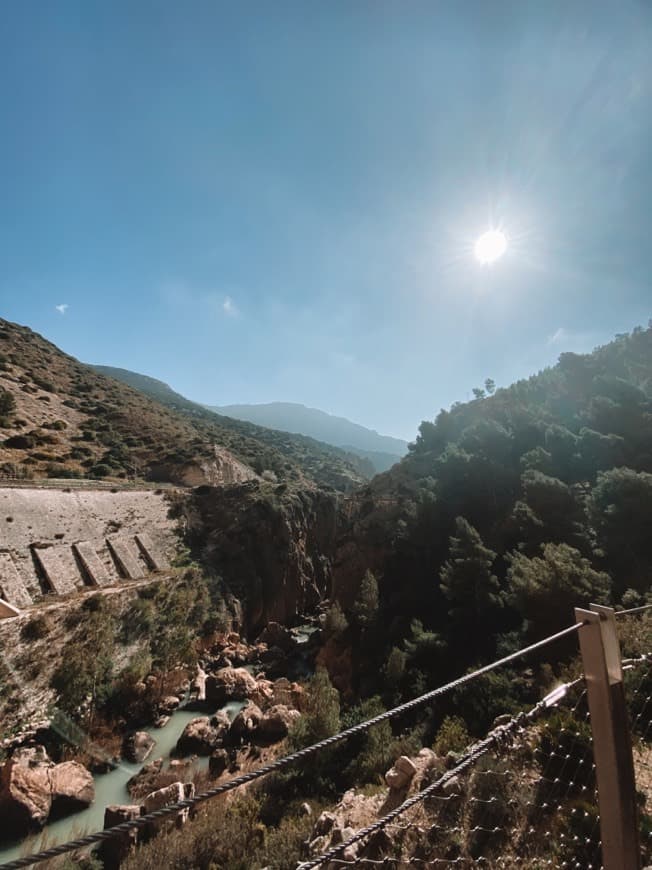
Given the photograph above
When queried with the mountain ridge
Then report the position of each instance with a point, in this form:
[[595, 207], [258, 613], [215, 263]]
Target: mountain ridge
[[382, 450]]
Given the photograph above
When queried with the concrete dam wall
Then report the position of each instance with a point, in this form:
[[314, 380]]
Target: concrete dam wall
[[58, 541]]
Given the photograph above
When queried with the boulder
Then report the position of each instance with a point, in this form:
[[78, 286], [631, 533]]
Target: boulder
[[218, 762], [324, 824], [163, 797], [200, 736], [72, 788], [168, 705], [145, 780], [137, 746], [115, 850], [245, 725], [199, 684], [286, 692], [221, 720], [276, 635], [32, 788], [25, 796], [276, 723], [401, 774], [229, 684], [263, 694]]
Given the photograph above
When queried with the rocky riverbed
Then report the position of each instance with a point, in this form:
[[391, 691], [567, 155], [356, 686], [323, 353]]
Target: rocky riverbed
[[221, 721]]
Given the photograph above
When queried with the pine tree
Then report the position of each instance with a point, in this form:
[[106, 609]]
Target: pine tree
[[365, 607], [466, 579]]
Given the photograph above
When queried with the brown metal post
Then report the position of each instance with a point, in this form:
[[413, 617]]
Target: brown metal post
[[612, 747]]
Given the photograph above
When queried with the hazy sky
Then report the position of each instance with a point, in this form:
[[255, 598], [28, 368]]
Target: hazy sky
[[260, 201]]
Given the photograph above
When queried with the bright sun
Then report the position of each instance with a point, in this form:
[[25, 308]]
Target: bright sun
[[490, 246]]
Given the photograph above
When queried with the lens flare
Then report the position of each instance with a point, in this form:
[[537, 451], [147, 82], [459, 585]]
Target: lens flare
[[490, 246]]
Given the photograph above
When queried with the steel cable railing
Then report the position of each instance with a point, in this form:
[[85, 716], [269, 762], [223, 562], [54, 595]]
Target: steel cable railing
[[498, 739], [286, 761]]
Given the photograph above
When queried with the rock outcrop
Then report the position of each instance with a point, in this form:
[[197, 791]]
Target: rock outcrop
[[245, 725], [275, 552], [229, 684], [115, 850], [203, 734], [163, 797], [138, 746], [276, 723], [401, 774], [33, 788], [72, 788]]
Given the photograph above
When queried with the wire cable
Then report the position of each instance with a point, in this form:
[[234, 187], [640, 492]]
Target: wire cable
[[280, 763], [497, 738]]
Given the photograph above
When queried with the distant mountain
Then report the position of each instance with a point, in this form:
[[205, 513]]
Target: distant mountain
[[60, 418], [382, 450], [325, 462]]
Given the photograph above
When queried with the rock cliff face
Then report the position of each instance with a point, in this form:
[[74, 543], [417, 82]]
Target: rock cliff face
[[271, 546]]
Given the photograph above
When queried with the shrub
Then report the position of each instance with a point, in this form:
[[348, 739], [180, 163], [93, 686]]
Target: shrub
[[37, 628], [7, 403], [452, 736]]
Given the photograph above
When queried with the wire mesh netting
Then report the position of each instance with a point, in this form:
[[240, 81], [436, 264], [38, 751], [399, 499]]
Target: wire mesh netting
[[531, 802], [635, 636]]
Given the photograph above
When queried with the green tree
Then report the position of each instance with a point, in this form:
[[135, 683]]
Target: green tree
[[321, 718], [468, 584], [365, 607], [620, 508], [394, 669], [544, 590], [336, 622]]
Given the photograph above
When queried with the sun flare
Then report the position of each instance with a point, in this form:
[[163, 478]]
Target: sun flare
[[490, 246]]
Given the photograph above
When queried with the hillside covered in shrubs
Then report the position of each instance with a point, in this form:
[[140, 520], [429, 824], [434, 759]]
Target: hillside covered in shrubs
[[60, 418], [509, 511]]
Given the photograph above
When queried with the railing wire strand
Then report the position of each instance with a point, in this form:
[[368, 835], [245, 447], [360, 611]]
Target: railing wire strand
[[286, 761]]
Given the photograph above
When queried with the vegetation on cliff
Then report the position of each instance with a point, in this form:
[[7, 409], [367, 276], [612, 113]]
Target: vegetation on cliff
[[508, 511]]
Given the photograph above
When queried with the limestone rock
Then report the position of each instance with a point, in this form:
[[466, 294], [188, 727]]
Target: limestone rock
[[168, 705], [218, 762], [221, 720], [72, 787], [137, 746], [25, 795], [277, 722], [145, 780], [246, 723], [199, 684], [263, 694], [401, 774], [171, 794], [115, 850], [276, 635], [229, 684], [324, 824], [200, 736]]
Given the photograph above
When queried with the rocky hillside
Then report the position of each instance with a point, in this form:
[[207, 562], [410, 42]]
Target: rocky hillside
[[317, 458], [60, 418]]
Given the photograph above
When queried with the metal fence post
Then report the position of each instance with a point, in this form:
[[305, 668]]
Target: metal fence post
[[612, 747]]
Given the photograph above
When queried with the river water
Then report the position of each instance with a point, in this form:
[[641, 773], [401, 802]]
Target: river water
[[110, 788]]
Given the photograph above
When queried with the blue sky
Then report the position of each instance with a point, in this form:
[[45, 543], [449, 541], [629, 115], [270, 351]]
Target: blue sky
[[278, 201]]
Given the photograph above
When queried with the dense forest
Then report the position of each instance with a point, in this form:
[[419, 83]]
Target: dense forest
[[509, 511]]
